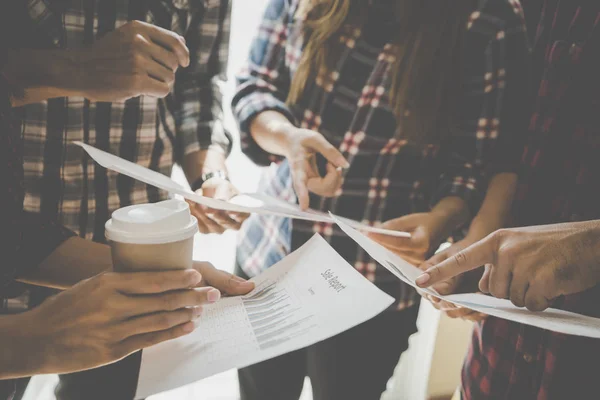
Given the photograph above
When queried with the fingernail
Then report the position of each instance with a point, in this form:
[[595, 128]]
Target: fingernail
[[213, 295], [423, 279], [194, 278], [189, 327], [197, 312], [346, 165]]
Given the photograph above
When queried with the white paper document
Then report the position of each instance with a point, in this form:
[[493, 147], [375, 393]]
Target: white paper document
[[550, 319], [245, 203], [311, 295]]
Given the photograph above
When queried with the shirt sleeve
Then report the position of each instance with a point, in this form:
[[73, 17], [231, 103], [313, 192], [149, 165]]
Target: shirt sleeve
[[264, 82], [198, 107], [495, 96], [26, 239]]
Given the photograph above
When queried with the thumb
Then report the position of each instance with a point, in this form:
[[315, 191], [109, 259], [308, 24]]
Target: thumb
[[327, 150], [224, 281], [406, 223], [209, 191]]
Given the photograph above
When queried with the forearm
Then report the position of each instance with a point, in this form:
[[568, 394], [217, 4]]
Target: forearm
[[75, 260], [493, 215], [451, 213], [20, 356], [270, 129], [204, 161], [495, 210], [42, 74]]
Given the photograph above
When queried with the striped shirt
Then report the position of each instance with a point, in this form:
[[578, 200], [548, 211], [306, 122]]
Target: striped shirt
[[389, 177], [64, 184]]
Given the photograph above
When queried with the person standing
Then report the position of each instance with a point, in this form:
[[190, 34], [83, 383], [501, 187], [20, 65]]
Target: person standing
[[558, 189], [176, 51], [375, 110], [101, 316]]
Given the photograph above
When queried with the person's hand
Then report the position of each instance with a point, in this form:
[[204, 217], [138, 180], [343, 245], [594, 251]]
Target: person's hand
[[450, 286], [217, 221], [135, 59], [224, 281], [530, 266], [105, 318], [427, 231], [302, 147]]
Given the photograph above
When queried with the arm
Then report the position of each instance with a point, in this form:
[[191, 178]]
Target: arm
[[42, 74], [267, 124], [271, 131], [531, 266], [99, 321], [495, 209], [492, 215], [489, 143], [259, 104], [490, 140], [107, 317], [202, 139], [202, 142], [136, 59]]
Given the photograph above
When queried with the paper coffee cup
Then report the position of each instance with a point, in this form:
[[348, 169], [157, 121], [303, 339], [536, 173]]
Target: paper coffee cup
[[150, 237]]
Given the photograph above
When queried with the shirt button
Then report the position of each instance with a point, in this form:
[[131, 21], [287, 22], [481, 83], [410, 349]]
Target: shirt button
[[56, 42], [527, 357]]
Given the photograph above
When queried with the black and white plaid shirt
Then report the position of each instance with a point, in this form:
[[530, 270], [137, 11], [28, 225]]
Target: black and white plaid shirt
[[60, 181]]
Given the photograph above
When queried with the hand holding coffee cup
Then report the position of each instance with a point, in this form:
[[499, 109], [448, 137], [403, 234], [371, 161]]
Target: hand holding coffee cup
[[159, 237], [105, 318]]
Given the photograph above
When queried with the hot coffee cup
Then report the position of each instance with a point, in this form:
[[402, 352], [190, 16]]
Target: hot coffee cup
[[151, 237]]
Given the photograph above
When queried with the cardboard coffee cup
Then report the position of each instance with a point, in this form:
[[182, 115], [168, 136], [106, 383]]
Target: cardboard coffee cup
[[150, 237]]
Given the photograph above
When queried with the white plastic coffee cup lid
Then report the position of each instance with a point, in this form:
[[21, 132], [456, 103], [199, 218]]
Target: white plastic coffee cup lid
[[165, 222]]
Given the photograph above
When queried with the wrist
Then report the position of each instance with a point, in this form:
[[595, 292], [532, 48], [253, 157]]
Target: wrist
[[69, 72], [57, 71], [450, 214], [22, 357], [216, 174], [283, 131], [481, 228]]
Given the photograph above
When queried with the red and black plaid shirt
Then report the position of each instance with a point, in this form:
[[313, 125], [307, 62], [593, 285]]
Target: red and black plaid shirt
[[388, 176], [560, 182]]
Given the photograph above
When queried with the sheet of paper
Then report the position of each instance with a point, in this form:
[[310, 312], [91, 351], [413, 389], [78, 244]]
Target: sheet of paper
[[309, 296], [551, 319], [246, 203]]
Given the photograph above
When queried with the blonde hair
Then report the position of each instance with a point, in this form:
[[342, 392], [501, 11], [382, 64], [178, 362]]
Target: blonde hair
[[426, 73]]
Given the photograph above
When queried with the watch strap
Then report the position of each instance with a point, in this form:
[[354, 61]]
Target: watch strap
[[198, 183]]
